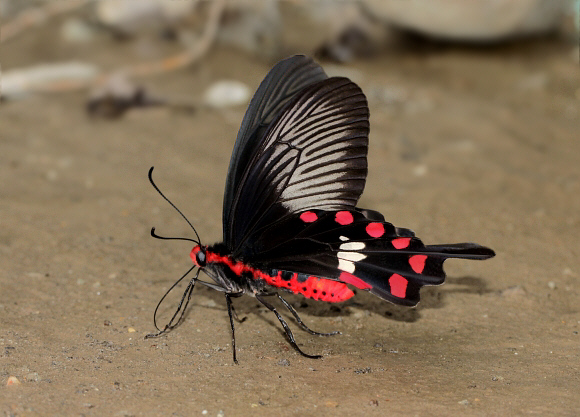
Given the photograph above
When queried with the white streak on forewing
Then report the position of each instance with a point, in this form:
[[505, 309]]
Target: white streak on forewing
[[311, 184], [317, 149], [347, 266], [324, 202], [351, 256], [328, 170], [352, 246]]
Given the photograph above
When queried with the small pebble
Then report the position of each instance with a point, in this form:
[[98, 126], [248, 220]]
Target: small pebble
[[12, 380], [358, 314], [420, 170], [388, 95], [227, 93], [515, 291], [131, 330], [283, 362], [75, 30], [534, 82], [210, 303], [33, 376], [552, 285], [463, 402], [51, 175]]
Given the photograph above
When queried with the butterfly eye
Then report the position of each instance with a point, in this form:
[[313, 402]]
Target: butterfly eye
[[200, 258]]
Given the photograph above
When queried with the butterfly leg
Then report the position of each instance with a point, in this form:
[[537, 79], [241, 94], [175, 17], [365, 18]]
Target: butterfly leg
[[299, 320], [235, 314], [171, 325], [286, 328], [232, 314]]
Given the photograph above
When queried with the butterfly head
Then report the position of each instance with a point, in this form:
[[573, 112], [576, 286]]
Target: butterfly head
[[198, 255]]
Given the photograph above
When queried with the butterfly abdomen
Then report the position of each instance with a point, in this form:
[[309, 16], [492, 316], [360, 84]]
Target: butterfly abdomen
[[308, 285], [247, 278]]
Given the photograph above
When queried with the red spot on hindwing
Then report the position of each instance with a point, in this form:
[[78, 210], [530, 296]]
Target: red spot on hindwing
[[308, 217], [356, 281], [398, 285], [417, 262], [344, 218], [375, 229], [401, 242]]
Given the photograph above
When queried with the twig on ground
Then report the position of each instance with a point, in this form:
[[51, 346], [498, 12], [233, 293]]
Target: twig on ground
[[37, 15], [55, 84], [189, 56]]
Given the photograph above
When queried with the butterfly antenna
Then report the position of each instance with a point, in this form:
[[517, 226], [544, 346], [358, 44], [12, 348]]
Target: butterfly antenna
[[198, 241], [156, 236]]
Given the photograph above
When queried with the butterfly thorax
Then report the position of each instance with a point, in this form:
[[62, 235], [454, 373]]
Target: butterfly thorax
[[232, 275]]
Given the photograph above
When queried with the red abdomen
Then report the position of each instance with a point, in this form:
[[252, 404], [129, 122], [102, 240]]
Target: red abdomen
[[317, 288], [309, 286]]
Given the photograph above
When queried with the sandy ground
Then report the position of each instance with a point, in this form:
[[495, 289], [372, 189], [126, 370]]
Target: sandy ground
[[466, 145]]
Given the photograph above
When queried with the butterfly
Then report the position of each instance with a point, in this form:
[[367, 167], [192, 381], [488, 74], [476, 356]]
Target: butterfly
[[290, 216]]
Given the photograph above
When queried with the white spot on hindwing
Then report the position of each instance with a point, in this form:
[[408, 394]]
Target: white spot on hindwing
[[351, 256], [346, 260], [347, 266], [352, 246]]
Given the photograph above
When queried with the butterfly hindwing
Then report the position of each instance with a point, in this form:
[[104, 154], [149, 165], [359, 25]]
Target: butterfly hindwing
[[350, 247]]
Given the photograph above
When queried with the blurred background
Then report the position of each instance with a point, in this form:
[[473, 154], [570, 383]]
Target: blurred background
[[475, 113], [86, 39]]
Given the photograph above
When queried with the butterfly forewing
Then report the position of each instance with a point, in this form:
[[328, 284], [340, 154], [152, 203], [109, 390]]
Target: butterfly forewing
[[287, 78], [313, 155]]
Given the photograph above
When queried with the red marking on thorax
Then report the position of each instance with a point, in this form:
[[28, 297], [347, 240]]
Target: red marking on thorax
[[344, 218], [417, 262], [401, 243], [193, 254], [356, 281], [398, 285], [314, 287], [375, 229]]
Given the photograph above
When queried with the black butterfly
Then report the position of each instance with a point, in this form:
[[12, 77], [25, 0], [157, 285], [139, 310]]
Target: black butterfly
[[290, 219]]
